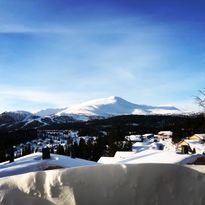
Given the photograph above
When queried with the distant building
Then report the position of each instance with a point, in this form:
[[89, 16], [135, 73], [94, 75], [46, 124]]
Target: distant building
[[193, 144], [197, 137], [165, 135], [183, 147], [148, 136], [134, 138]]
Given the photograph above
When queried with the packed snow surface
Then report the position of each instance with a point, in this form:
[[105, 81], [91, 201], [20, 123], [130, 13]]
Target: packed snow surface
[[142, 184]]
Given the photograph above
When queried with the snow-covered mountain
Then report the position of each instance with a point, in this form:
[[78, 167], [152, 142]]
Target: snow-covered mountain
[[100, 108], [48, 112], [113, 106], [11, 118], [16, 116]]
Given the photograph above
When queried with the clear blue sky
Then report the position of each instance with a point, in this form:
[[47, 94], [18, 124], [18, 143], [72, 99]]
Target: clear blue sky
[[54, 53]]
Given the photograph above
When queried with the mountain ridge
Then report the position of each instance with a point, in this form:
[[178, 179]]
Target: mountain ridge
[[93, 109], [115, 105]]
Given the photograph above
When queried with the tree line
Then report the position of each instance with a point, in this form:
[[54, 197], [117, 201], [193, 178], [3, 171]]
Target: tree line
[[8, 139], [93, 149]]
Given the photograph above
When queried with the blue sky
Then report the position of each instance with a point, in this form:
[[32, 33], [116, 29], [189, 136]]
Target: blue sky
[[55, 53]]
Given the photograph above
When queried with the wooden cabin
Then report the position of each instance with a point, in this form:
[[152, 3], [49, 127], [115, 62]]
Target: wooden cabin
[[183, 147], [191, 145]]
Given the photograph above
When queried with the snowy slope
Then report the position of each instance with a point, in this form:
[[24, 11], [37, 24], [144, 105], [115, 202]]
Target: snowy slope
[[48, 112], [17, 115], [113, 106]]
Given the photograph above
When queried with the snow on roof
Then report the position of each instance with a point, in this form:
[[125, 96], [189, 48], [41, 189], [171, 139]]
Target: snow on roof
[[198, 145], [34, 162], [170, 133], [138, 147], [158, 156], [146, 144], [139, 144], [153, 156], [108, 160], [123, 155], [202, 136], [133, 137], [148, 135], [194, 141]]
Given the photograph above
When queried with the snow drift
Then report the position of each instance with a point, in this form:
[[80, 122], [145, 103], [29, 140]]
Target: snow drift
[[107, 184]]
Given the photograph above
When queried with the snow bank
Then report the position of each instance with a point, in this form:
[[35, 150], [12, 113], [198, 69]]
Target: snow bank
[[142, 184]]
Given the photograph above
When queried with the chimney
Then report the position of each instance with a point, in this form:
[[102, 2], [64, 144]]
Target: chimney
[[46, 153], [11, 155]]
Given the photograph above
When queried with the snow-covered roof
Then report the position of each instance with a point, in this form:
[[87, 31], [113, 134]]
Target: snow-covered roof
[[34, 162], [108, 160], [157, 156], [148, 135], [123, 155], [138, 144], [198, 145], [147, 144], [133, 137], [202, 136], [152, 156], [119, 155], [168, 133]]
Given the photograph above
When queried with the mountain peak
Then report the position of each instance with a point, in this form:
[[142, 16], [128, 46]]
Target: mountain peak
[[114, 105], [115, 98], [99, 108]]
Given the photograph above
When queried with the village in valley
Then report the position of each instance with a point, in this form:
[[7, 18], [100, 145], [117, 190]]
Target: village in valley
[[52, 139], [65, 148], [194, 144]]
